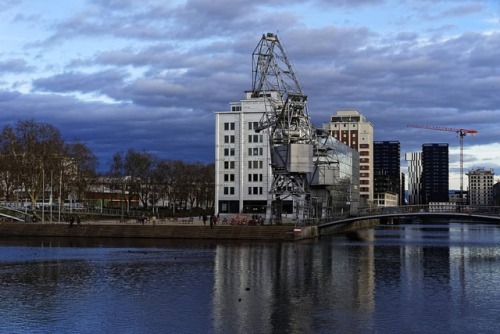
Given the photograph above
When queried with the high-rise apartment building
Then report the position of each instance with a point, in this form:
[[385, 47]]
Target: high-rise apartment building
[[435, 173], [481, 186], [387, 168], [414, 160], [351, 128], [242, 160]]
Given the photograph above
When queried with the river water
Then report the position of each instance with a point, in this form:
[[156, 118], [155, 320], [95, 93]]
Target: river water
[[408, 278]]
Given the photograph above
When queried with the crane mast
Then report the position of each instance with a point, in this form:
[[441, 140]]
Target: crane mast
[[291, 135], [461, 133]]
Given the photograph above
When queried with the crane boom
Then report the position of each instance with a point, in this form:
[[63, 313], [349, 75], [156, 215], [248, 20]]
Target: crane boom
[[291, 134], [462, 133]]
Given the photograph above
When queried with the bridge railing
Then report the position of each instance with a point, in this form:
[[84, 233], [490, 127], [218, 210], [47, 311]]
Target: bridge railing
[[372, 211], [470, 209]]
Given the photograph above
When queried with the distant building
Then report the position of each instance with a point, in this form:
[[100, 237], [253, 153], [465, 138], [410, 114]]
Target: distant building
[[496, 194], [352, 129], [435, 173], [414, 160], [385, 199], [387, 169], [457, 196], [481, 186]]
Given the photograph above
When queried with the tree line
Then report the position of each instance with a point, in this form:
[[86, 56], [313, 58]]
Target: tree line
[[36, 163]]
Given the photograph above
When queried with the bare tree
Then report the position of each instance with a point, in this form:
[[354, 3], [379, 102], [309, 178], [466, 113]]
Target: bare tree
[[80, 168], [139, 167], [36, 150]]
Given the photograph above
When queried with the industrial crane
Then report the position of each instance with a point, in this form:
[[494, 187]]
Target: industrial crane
[[461, 133], [287, 121]]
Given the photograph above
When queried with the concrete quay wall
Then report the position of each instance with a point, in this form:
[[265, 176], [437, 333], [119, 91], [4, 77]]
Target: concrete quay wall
[[274, 232]]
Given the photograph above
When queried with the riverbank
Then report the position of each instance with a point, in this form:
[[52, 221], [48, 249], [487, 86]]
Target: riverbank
[[134, 230]]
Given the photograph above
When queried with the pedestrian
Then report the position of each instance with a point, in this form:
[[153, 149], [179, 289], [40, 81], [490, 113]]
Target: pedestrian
[[211, 221], [71, 221], [204, 220], [78, 220], [216, 218]]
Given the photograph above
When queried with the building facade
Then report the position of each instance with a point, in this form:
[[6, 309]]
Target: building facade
[[414, 161], [352, 129], [243, 174], [387, 169], [242, 160], [435, 173], [481, 186]]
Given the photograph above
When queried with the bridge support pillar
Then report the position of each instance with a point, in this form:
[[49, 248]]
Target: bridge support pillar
[[305, 232]]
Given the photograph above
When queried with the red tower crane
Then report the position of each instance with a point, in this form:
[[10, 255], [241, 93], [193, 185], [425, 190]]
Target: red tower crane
[[461, 133]]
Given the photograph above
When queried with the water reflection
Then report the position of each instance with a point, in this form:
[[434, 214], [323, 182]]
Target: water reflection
[[398, 278], [285, 287]]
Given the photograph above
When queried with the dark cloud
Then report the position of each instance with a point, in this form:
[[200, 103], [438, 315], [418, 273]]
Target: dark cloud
[[80, 82], [17, 65], [157, 70]]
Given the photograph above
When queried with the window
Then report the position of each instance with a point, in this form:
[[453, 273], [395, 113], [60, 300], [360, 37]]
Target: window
[[229, 126], [235, 108], [253, 125], [255, 151]]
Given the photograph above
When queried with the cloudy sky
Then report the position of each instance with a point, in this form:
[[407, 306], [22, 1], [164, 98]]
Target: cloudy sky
[[149, 74]]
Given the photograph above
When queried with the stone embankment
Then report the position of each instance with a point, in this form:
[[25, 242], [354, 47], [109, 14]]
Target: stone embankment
[[125, 230]]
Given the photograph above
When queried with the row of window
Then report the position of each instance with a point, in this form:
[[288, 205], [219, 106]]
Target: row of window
[[255, 164], [229, 139], [228, 126], [254, 177], [252, 164], [255, 151], [255, 190], [255, 138], [251, 177], [253, 125], [228, 164], [231, 125], [251, 190], [229, 152], [252, 151]]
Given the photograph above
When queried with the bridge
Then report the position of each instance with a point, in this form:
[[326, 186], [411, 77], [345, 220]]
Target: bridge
[[14, 214], [370, 217]]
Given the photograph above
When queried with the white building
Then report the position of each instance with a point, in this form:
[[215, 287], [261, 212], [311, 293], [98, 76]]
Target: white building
[[481, 186], [351, 128], [242, 163]]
